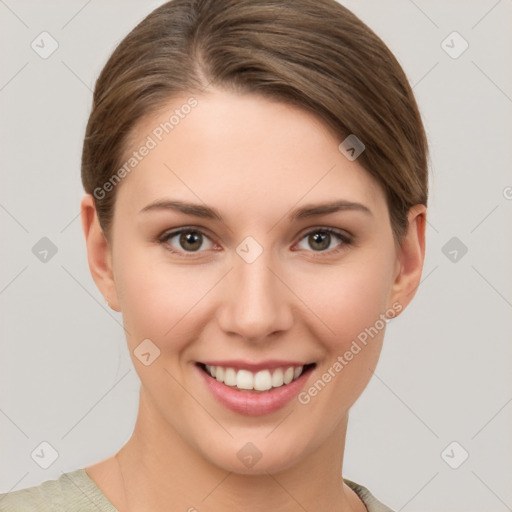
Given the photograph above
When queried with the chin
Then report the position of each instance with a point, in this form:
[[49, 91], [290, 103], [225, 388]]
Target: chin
[[257, 458]]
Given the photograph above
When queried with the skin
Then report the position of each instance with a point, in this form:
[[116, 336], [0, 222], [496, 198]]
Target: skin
[[253, 160]]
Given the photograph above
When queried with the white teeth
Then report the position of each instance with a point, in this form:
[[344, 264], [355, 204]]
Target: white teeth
[[244, 380], [218, 372], [230, 377], [288, 375], [277, 378], [262, 380]]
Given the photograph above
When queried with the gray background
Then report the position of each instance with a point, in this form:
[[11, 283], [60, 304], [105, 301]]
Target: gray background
[[445, 371]]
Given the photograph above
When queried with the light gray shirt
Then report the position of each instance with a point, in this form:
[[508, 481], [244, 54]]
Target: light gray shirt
[[77, 492]]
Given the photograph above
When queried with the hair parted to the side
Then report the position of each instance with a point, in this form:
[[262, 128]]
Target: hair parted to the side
[[314, 54]]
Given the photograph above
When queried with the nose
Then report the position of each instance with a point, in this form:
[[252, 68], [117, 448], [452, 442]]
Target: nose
[[256, 302]]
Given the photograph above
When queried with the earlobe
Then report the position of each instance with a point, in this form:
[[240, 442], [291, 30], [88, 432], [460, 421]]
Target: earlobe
[[410, 257], [99, 254]]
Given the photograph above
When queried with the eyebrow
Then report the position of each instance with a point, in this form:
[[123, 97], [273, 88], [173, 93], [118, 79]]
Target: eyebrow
[[206, 212]]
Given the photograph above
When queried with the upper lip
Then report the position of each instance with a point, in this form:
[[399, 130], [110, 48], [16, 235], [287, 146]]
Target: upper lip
[[270, 364]]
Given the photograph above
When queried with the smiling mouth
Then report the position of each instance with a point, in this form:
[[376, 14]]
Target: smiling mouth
[[260, 381]]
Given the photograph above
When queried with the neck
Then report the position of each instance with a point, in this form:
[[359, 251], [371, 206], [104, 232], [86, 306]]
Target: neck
[[159, 471]]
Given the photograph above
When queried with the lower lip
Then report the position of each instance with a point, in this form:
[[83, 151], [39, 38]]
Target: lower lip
[[252, 403]]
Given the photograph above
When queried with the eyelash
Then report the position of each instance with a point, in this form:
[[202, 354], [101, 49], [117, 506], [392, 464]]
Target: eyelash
[[345, 239]]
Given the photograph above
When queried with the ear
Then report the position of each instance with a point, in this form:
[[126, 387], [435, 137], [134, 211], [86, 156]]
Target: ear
[[410, 257], [99, 254]]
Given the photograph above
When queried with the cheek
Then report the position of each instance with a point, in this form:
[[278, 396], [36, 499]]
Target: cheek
[[352, 308], [349, 297], [158, 298], [352, 302]]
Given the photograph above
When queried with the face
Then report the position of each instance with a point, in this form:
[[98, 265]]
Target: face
[[244, 244]]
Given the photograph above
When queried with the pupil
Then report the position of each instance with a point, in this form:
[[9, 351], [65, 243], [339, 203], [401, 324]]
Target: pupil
[[192, 238], [322, 239]]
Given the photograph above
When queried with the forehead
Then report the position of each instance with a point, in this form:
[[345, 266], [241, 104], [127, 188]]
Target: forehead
[[241, 149]]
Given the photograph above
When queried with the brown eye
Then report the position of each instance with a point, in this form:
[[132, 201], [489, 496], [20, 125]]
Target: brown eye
[[319, 241], [323, 239], [191, 240], [186, 241]]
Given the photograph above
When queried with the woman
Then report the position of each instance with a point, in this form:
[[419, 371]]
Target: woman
[[256, 189]]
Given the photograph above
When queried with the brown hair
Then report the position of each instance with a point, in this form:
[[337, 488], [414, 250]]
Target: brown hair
[[314, 54]]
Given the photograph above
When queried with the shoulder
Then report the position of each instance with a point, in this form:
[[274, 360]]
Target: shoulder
[[71, 492], [371, 502]]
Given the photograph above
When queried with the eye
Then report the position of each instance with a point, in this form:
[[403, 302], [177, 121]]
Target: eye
[[323, 239], [186, 240], [189, 240]]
